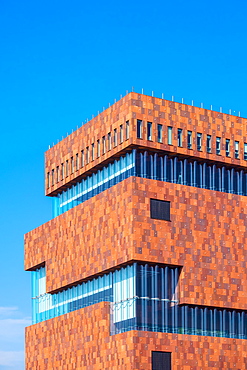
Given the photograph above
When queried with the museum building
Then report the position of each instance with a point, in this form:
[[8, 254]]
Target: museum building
[[144, 263]]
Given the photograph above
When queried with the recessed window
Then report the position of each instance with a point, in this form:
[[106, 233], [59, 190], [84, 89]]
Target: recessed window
[[189, 139], [92, 152], [98, 148], [72, 164], [121, 134], [52, 177], [180, 132], [87, 155], [127, 130], [67, 168], [82, 158], [115, 137], [48, 179], [139, 129], [160, 209], [209, 145], [227, 147], [149, 131], [159, 131], [245, 151], [103, 145], [169, 135], [77, 162], [218, 140], [109, 141], [161, 360], [236, 149], [62, 171], [199, 141], [57, 174]]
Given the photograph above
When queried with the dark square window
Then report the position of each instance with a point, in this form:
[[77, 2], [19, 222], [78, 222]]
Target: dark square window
[[161, 360], [160, 209]]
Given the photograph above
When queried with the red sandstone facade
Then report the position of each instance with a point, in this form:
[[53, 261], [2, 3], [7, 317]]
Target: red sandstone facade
[[206, 237]]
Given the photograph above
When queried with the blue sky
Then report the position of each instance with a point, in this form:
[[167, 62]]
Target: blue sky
[[63, 61]]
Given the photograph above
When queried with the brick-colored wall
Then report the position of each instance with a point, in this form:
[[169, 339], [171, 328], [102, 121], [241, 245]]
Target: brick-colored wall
[[136, 106], [206, 236], [80, 340]]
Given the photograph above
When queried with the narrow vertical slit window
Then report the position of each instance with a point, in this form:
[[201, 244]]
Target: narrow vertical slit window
[[159, 132], [57, 174], [227, 147], [149, 131], [169, 135], [82, 158], [127, 130], [189, 139], [139, 129], [199, 141], [92, 152], [109, 141], [48, 179], [103, 145], [72, 164], [218, 145], [67, 168], [180, 132], [209, 148], [245, 151], [115, 137], [62, 171], [52, 177], [98, 148], [87, 155], [121, 134], [77, 162], [236, 149]]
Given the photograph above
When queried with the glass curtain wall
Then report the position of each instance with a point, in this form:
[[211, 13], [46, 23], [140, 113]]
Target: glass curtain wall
[[153, 166], [143, 297], [94, 184], [191, 172]]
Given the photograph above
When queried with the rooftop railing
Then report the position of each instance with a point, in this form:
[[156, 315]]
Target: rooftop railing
[[173, 98]]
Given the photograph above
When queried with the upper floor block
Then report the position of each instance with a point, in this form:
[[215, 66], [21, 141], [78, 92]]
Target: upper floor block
[[141, 121]]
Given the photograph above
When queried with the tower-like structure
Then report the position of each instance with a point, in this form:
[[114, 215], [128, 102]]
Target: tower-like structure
[[144, 265]]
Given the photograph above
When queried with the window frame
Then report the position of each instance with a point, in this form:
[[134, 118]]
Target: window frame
[[109, 141], [169, 135], [57, 174], [218, 145], [98, 148], [245, 151], [199, 141], [159, 133], [149, 130], [189, 139], [121, 134], [115, 137], [139, 129], [180, 137], [236, 149], [103, 145], [153, 209], [209, 143], [127, 130], [227, 147], [93, 154]]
